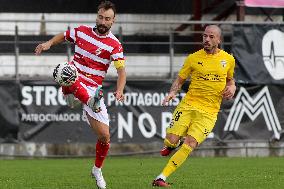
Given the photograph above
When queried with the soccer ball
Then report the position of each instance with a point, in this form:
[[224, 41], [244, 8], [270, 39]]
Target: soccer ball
[[65, 74]]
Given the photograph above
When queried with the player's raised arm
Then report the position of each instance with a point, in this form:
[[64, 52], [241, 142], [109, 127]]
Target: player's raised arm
[[59, 38], [174, 89]]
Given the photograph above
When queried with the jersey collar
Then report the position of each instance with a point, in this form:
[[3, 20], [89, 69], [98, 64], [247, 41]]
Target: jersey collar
[[212, 54]]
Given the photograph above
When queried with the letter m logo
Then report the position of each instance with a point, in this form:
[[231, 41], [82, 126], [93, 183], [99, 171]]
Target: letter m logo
[[252, 107]]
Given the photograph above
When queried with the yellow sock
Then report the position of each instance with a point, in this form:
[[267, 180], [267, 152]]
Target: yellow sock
[[177, 159], [169, 144]]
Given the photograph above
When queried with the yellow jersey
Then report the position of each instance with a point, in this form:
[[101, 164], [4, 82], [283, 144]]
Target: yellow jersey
[[208, 74]]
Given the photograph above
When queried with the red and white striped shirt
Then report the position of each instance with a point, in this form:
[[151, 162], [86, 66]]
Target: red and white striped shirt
[[93, 53]]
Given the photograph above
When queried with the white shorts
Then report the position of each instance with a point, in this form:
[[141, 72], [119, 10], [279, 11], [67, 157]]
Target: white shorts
[[102, 116]]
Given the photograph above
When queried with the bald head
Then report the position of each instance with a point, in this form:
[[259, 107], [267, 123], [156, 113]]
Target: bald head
[[215, 29], [211, 38]]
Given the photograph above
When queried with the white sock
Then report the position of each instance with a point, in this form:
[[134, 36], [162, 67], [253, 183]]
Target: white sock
[[161, 176]]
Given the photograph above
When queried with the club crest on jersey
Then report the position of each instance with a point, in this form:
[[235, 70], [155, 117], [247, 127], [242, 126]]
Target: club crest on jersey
[[223, 63], [98, 51]]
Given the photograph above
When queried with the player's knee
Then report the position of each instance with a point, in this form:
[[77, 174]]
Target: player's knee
[[169, 143], [105, 138], [171, 140], [191, 142]]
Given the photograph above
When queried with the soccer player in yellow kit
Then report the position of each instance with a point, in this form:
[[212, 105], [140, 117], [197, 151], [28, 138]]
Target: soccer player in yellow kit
[[211, 73]]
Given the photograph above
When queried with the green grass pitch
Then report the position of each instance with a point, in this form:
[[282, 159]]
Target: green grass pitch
[[137, 172]]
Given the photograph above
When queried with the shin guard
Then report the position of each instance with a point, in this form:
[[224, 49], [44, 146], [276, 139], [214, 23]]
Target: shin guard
[[101, 153]]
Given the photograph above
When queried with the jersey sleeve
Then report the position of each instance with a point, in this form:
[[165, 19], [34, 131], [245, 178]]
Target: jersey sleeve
[[117, 53], [118, 57], [230, 74], [185, 71], [70, 35]]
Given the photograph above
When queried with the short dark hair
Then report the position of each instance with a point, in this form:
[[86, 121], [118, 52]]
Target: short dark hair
[[107, 5]]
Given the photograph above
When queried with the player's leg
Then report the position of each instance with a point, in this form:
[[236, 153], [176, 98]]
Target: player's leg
[[102, 147], [176, 161], [100, 125], [78, 90], [180, 156], [69, 97], [103, 142], [171, 142], [177, 129], [81, 92]]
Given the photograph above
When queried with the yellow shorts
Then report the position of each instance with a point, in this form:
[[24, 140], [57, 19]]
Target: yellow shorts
[[188, 120]]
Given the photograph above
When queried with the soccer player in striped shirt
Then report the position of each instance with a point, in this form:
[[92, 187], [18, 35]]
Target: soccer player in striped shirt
[[95, 48], [211, 73]]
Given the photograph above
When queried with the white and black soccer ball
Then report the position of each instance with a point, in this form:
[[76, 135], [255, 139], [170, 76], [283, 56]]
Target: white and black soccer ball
[[65, 74]]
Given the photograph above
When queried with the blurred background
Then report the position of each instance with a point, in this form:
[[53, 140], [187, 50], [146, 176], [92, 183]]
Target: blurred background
[[156, 36]]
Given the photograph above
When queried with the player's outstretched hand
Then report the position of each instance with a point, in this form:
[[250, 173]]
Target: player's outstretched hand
[[168, 99], [42, 47], [119, 96]]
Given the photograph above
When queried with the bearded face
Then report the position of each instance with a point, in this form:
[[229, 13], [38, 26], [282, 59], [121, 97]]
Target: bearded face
[[103, 29], [104, 21]]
